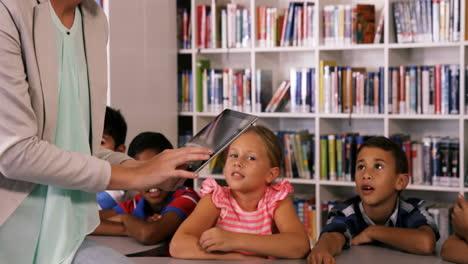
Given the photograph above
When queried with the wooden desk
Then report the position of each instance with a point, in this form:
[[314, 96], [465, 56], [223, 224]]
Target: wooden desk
[[357, 254]]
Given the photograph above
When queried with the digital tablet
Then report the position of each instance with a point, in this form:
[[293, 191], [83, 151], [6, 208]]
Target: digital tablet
[[219, 133]]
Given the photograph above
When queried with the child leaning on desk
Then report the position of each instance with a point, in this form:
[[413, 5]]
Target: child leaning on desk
[[379, 214], [153, 215], [252, 217], [455, 248]]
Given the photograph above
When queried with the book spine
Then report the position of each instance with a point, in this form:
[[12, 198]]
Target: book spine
[[323, 157], [436, 161], [427, 160], [454, 104], [339, 158], [454, 162], [332, 157]]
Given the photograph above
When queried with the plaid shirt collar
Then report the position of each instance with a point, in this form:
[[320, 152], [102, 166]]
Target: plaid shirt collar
[[390, 222]]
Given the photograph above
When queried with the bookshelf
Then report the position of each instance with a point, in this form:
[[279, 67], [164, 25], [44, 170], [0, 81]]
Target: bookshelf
[[372, 56]]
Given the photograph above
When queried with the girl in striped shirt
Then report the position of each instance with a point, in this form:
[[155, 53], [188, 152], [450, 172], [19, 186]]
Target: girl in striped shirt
[[252, 217]]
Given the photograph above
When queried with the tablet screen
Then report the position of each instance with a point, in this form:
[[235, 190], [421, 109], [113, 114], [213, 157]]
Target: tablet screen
[[219, 133]]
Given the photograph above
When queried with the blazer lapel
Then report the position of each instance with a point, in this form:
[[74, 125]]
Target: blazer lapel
[[46, 55], [95, 39]]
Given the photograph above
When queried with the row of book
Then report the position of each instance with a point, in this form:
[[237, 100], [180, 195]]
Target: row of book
[[411, 90], [296, 94], [229, 26], [432, 161], [298, 154], [338, 155], [424, 89], [218, 89], [225, 27], [350, 89], [185, 91], [426, 20], [351, 24], [293, 27], [307, 212]]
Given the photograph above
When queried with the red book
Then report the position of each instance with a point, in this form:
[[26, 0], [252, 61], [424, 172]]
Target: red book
[[402, 93], [240, 90], [437, 92], [283, 28], [200, 11]]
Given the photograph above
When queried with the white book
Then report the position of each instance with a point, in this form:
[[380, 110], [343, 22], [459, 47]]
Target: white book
[[268, 28], [417, 165], [224, 30], [231, 91], [213, 37], [205, 89], [435, 21], [442, 20], [245, 28], [451, 13], [326, 89], [311, 25], [231, 25], [456, 21], [274, 101], [238, 30], [292, 89], [419, 90], [246, 85], [447, 20], [305, 25], [226, 89], [305, 106], [407, 94]]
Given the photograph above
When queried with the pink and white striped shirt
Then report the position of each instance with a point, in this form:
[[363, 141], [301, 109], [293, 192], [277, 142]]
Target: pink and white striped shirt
[[232, 218]]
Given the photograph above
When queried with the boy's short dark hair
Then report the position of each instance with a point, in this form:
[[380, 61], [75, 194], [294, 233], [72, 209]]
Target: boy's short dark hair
[[148, 140], [401, 162], [115, 126]]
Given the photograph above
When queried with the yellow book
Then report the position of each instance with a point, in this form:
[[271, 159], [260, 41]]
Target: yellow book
[[323, 64]]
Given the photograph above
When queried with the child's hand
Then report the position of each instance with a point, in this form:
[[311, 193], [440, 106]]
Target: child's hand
[[320, 256], [116, 218], [460, 217], [364, 237], [216, 239], [154, 218]]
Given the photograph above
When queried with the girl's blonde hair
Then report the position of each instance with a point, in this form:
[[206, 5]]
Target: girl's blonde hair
[[271, 142]]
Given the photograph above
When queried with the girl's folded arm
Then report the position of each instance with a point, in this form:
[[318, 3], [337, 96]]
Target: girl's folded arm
[[185, 243], [290, 242]]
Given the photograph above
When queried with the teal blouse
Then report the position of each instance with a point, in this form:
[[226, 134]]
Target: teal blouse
[[50, 225]]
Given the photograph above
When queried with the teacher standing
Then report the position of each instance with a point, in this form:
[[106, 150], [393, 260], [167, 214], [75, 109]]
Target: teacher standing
[[52, 100]]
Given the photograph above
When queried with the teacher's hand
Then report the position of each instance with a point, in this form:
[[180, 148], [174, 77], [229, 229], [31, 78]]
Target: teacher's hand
[[161, 171]]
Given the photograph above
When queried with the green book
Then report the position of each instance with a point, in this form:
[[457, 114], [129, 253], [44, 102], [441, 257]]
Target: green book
[[201, 65], [323, 158], [339, 158], [331, 158]]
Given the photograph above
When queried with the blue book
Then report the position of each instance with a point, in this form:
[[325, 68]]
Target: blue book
[[413, 89], [454, 89], [312, 90], [445, 89], [298, 89], [381, 90], [289, 25]]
